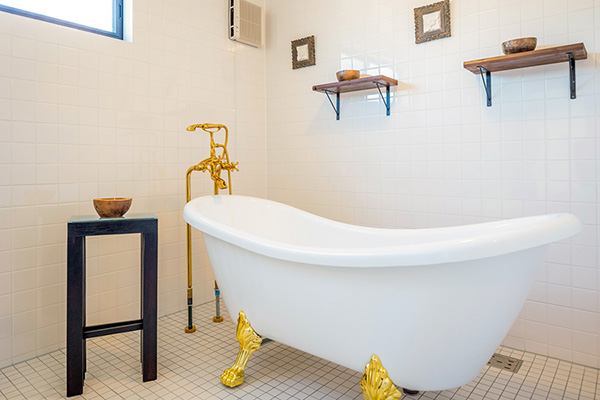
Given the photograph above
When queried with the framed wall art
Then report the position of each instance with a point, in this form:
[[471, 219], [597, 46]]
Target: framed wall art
[[432, 21], [303, 52]]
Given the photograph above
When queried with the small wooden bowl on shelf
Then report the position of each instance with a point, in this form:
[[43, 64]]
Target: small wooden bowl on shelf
[[519, 45], [112, 207], [347, 74]]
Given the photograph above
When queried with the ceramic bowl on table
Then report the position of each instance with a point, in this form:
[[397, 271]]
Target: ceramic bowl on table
[[519, 45], [112, 207]]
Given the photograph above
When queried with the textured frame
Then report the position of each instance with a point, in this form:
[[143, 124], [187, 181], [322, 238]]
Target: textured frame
[[310, 42], [444, 9]]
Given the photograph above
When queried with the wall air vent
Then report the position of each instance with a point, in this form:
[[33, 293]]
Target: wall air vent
[[245, 22]]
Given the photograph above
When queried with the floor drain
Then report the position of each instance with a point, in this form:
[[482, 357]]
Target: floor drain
[[505, 363]]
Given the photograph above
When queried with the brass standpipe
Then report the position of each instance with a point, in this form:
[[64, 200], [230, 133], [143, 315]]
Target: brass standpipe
[[214, 165], [218, 317]]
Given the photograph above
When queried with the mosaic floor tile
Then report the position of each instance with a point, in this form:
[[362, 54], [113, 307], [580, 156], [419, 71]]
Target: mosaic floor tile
[[190, 366]]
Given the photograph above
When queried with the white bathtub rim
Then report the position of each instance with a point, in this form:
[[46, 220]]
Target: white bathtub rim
[[520, 236]]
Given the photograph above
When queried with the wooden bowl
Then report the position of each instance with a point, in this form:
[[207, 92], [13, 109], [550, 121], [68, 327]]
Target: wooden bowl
[[112, 207], [519, 45], [347, 74]]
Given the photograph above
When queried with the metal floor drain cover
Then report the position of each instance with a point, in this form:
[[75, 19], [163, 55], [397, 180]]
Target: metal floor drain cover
[[505, 363]]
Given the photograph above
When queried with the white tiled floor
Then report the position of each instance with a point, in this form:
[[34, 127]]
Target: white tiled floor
[[190, 366]]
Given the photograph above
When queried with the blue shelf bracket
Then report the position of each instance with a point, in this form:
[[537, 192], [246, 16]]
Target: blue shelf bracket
[[336, 109], [387, 92], [572, 75], [487, 84]]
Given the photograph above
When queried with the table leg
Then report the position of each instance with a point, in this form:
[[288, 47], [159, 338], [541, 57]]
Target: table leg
[[75, 315], [149, 277]]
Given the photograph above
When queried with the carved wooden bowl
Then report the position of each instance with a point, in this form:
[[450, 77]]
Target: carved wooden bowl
[[112, 207], [519, 45], [347, 74]]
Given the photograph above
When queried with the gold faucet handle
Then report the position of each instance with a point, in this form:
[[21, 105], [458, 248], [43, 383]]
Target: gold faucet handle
[[231, 166], [202, 165]]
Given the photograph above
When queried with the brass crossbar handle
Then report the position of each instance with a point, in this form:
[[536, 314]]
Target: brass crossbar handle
[[214, 164]]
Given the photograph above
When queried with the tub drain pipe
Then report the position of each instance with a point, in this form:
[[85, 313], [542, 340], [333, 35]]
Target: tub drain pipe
[[218, 317]]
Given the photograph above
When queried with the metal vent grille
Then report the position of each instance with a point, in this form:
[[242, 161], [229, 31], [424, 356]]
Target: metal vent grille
[[505, 363], [250, 24], [245, 22]]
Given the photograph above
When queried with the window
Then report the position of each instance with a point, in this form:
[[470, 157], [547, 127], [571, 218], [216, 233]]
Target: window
[[104, 17]]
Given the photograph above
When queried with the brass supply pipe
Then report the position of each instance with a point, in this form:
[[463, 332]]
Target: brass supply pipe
[[190, 328], [214, 165]]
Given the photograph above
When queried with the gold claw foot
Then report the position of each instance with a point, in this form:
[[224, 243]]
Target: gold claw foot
[[376, 384], [249, 343]]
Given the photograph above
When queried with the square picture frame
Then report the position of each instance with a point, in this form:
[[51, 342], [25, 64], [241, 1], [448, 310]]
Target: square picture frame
[[432, 22], [303, 52]]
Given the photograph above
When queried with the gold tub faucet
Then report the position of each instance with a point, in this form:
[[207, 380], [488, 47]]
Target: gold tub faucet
[[214, 164]]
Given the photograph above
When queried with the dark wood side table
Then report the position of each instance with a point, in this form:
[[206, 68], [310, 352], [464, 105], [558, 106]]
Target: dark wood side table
[[77, 331]]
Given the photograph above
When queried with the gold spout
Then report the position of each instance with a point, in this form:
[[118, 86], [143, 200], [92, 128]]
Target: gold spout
[[221, 184]]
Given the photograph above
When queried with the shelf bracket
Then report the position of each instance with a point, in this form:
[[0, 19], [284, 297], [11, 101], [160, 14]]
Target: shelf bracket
[[572, 75], [336, 109], [387, 103], [487, 84]]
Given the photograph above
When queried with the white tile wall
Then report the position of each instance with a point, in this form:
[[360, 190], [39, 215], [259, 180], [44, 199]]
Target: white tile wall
[[443, 157], [83, 116]]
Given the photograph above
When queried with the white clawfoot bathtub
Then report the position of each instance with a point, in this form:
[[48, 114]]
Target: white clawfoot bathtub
[[433, 304]]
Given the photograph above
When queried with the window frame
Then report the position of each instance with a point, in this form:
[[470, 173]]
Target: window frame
[[117, 20]]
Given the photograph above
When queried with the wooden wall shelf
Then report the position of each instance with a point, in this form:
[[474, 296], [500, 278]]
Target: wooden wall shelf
[[550, 55], [371, 82]]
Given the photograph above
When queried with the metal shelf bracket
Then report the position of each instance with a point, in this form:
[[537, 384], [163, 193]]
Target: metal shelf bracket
[[487, 84], [336, 109], [572, 75], [487, 80], [387, 91]]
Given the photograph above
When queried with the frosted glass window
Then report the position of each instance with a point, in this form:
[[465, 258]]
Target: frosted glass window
[[98, 16]]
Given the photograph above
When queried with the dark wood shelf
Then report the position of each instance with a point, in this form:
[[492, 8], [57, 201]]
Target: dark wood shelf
[[370, 82], [354, 85], [549, 55]]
